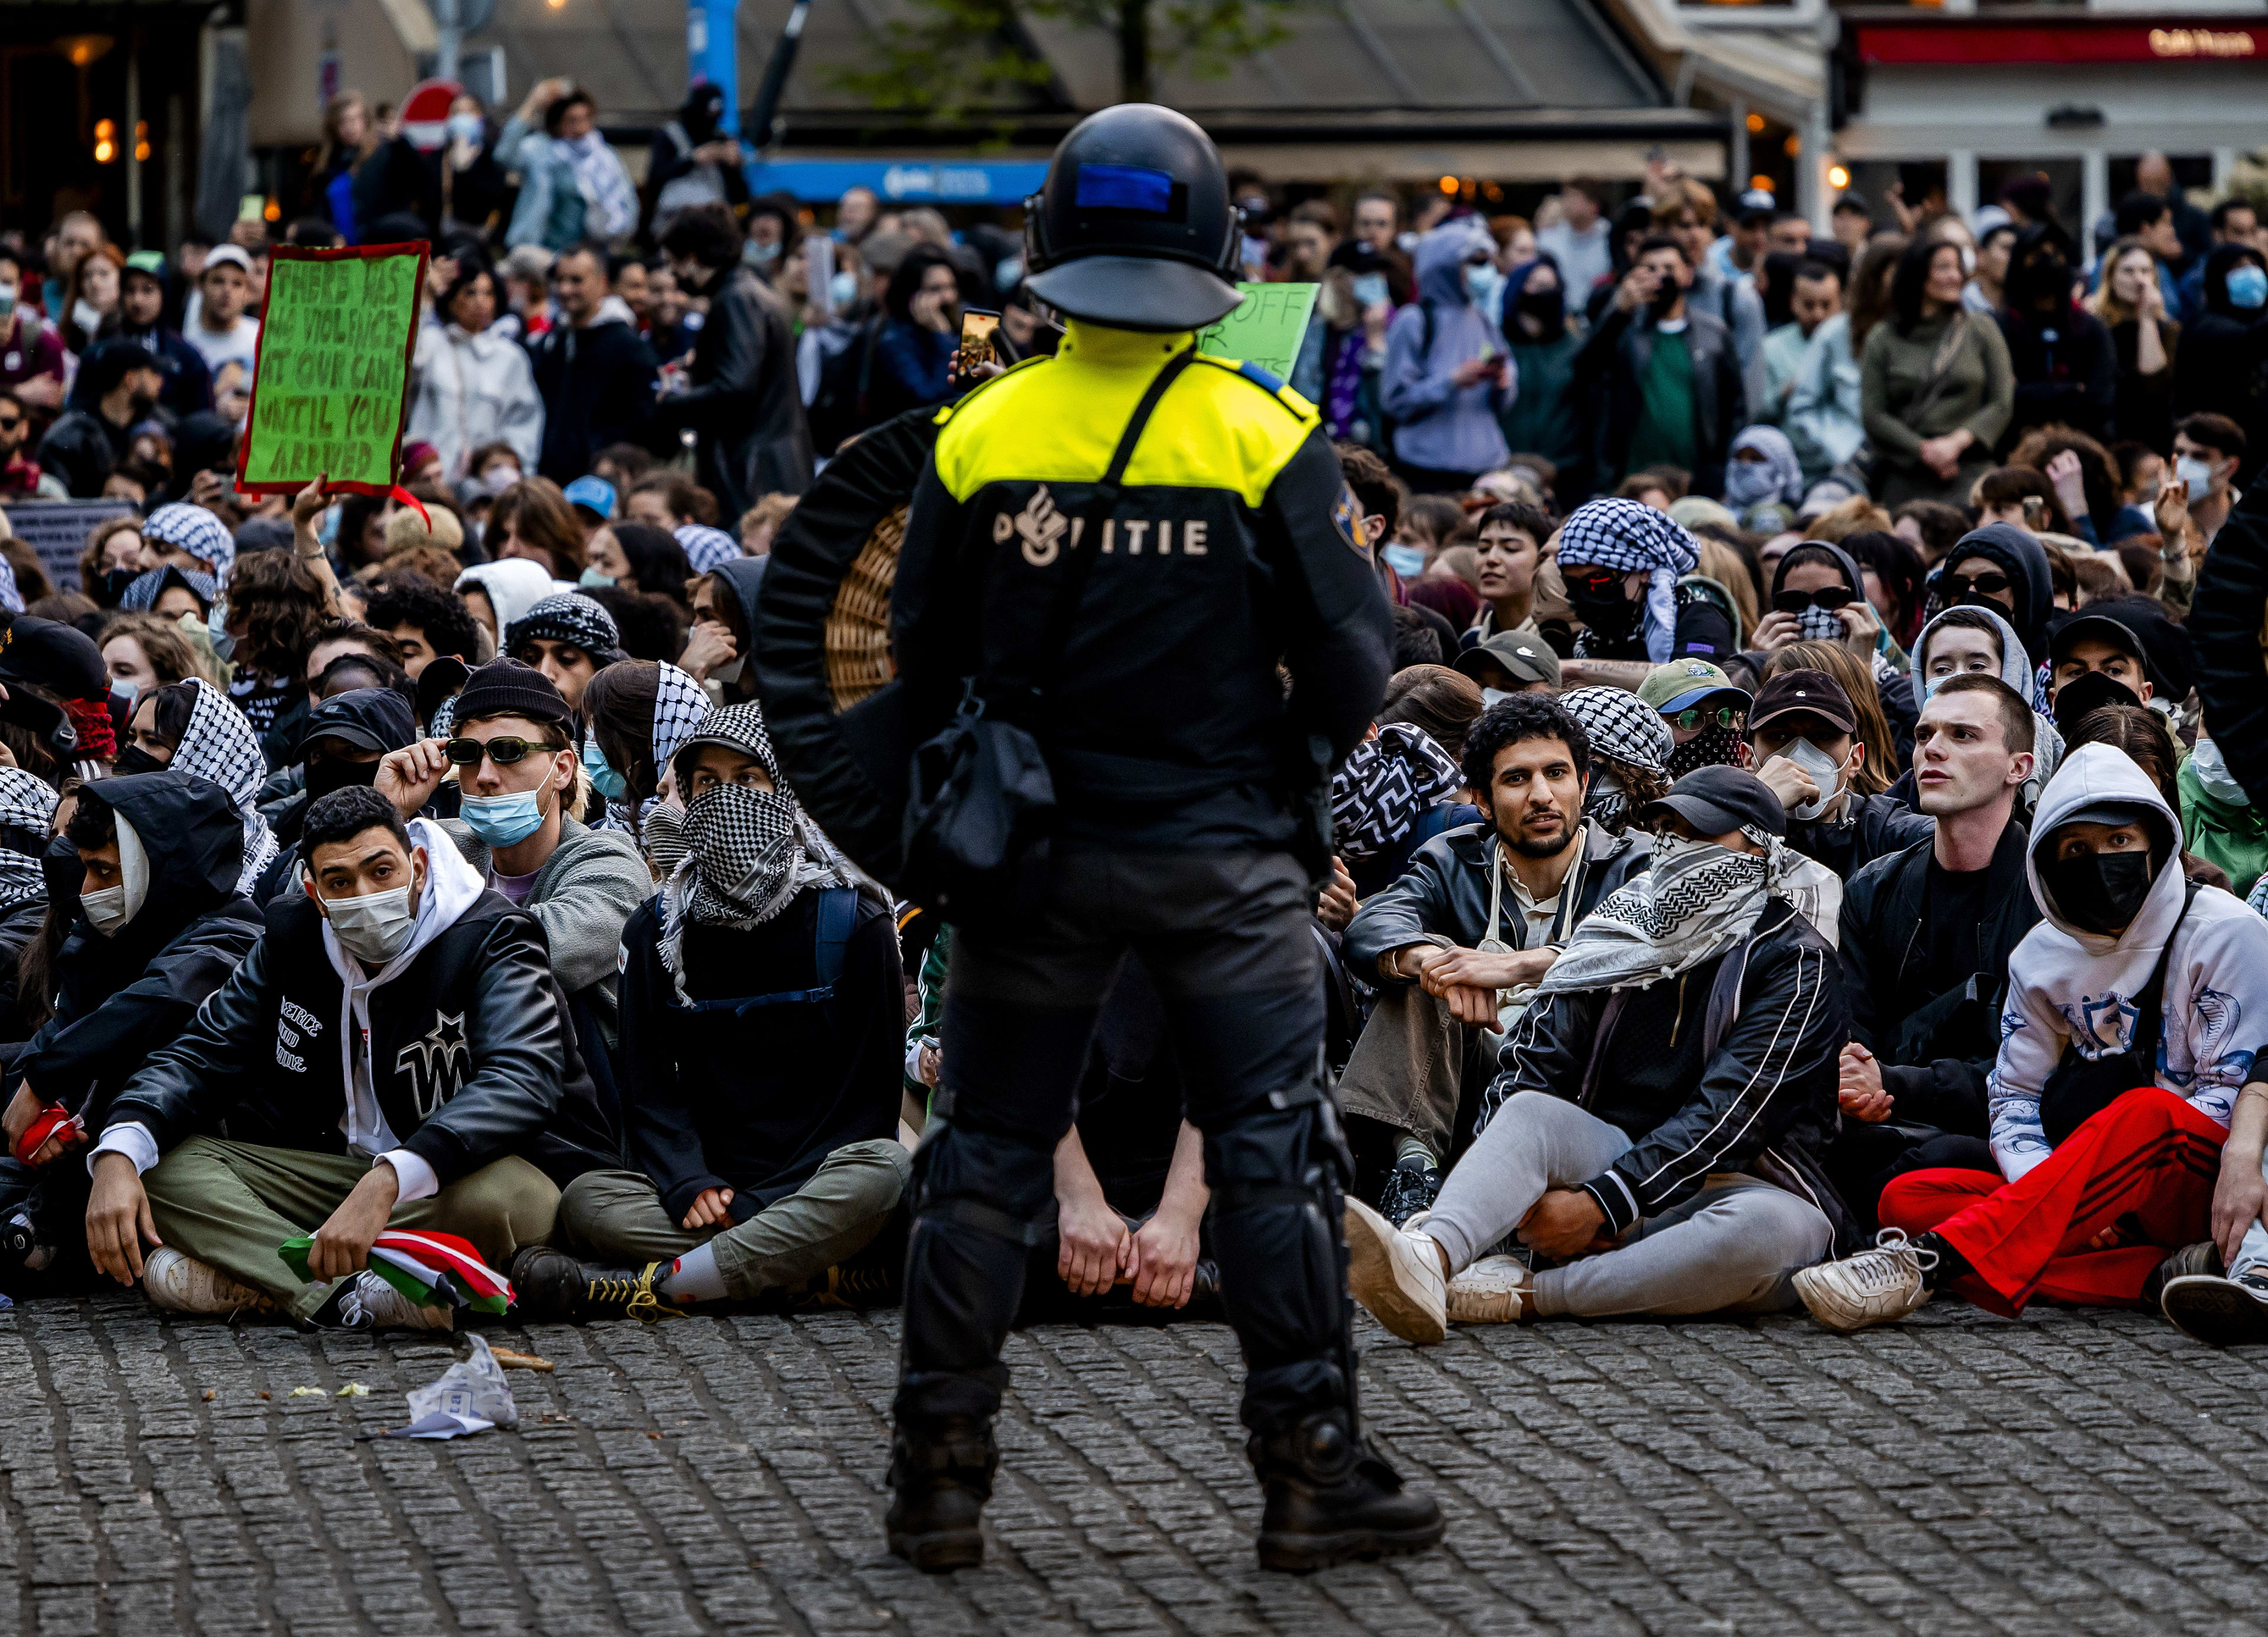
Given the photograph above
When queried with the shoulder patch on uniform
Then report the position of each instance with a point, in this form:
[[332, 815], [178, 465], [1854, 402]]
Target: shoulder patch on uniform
[[1346, 517]]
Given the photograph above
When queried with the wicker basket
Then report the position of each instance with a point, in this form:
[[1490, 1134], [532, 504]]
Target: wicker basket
[[858, 632]]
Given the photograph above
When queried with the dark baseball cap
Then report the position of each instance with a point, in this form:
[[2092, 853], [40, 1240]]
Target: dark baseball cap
[[1526, 659], [2095, 628], [1718, 800], [1807, 693]]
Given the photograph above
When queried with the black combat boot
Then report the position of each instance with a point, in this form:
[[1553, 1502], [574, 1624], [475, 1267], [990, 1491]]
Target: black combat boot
[[1332, 1499], [941, 1474], [550, 1285]]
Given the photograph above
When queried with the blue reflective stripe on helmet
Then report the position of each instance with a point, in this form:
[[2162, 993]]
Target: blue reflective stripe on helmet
[[1125, 188]]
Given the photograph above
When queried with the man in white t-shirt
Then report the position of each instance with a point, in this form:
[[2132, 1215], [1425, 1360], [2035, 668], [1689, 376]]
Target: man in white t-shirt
[[1578, 241], [220, 330]]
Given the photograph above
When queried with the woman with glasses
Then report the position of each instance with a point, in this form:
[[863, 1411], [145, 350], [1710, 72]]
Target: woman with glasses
[[1819, 595]]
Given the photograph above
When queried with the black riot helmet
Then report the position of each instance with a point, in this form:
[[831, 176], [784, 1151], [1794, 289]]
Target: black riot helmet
[[1133, 227]]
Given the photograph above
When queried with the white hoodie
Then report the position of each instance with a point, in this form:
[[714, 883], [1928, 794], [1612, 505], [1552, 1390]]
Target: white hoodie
[[451, 886], [2070, 988]]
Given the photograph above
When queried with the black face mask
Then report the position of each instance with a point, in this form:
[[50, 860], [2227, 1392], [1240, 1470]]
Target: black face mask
[[134, 760], [325, 774], [1612, 617], [2099, 893], [1546, 307], [111, 584]]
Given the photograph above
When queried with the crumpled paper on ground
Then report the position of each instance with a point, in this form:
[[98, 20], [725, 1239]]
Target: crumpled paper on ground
[[470, 1396]]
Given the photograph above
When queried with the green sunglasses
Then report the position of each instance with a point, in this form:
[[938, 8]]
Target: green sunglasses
[[1702, 717]]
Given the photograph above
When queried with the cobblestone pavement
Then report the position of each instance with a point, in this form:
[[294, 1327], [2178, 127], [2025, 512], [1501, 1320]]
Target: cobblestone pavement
[[2091, 1473]]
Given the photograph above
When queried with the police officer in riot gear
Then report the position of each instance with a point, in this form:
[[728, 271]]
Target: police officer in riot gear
[[1186, 778]]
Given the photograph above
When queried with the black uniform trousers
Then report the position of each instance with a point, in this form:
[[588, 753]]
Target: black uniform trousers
[[1225, 936]]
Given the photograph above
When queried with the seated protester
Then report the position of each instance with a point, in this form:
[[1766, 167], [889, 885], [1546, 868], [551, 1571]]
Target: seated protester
[[1926, 936], [569, 638], [639, 711], [1387, 800], [27, 807], [2091, 644], [1483, 909], [425, 623], [1629, 753], [1974, 640], [1704, 713], [345, 737], [717, 648], [516, 767], [1130, 1235], [191, 727], [497, 594], [341, 639], [145, 880], [1509, 662], [2220, 822], [1805, 738], [764, 1135], [1819, 595], [170, 591], [2134, 983], [1654, 1135], [2005, 569], [1621, 561], [275, 610], [393, 1052]]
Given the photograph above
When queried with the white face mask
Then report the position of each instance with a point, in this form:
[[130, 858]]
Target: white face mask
[[1492, 696], [2212, 772], [106, 909], [1825, 772], [376, 928], [2195, 475], [729, 672]]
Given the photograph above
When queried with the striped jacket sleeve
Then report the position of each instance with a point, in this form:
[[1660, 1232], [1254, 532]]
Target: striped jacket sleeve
[[1792, 1026]]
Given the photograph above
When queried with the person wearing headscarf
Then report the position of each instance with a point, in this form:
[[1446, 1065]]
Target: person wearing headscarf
[[190, 536], [707, 549], [762, 1005], [1621, 561], [57, 671], [190, 727], [1612, 1111], [1629, 753], [501, 591], [568, 637], [1544, 417], [149, 922], [638, 712], [1976, 638], [146, 589], [1762, 476], [1456, 944], [1386, 787]]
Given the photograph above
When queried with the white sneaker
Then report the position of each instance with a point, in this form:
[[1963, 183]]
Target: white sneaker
[[1492, 1291], [1874, 1286], [370, 1303], [1397, 1274], [182, 1284]]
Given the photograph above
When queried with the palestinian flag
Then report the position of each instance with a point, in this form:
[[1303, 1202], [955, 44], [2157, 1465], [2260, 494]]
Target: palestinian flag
[[431, 1269]]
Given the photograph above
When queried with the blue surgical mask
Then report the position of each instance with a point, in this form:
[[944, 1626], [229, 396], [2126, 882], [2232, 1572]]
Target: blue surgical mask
[[2247, 287], [1409, 562], [843, 289], [2212, 772], [592, 577], [1482, 284], [1369, 290], [604, 779], [467, 127], [2196, 476], [503, 820]]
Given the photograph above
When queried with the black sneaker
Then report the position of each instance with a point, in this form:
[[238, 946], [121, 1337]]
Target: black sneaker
[[940, 1478], [1410, 1188], [551, 1285], [2203, 1257], [2221, 1312], [1331, 1498]]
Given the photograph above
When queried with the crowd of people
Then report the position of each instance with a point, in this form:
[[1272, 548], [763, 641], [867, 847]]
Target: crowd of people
[[1789, 865]]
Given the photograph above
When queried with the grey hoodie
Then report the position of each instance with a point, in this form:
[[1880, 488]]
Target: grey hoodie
[[1439, 424]]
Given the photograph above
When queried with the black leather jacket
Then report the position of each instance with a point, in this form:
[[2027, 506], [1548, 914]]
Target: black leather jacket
[[744, 404], [1445, 893], [1870, 827], [470, 1047]]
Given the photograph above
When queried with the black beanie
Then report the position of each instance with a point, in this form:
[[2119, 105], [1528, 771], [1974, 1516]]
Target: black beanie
[[506, 687]]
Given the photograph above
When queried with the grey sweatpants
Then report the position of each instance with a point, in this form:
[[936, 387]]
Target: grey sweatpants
[[618, 1215], [1732, 1248]]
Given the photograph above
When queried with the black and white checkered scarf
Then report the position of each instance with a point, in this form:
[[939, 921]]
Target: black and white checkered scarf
[[1695, 901], [748, 853], [1386, 786], [568, 617], [1624, 535], [219, 745], [27, 804]]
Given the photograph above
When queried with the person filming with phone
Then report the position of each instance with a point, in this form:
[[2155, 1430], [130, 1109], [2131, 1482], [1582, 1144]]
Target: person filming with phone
[[1448, 375], [1667, 381]]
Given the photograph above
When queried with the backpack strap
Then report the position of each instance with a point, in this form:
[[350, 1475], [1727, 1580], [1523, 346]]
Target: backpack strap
[[838, 917]]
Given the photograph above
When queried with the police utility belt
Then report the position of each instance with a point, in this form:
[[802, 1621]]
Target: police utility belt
[[982, 807]]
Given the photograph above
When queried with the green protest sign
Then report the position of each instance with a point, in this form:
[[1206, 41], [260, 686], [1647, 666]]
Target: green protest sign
[[1265, 329], [330, 386]]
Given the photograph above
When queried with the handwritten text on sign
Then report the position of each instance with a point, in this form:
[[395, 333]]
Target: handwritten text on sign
[[333, 366], [1266, 327]]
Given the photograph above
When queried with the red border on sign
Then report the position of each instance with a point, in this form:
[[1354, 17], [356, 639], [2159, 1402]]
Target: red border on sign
[[356, 253]]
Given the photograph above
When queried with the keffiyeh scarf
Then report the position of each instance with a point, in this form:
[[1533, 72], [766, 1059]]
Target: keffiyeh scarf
[[195, 531], [706, 548], [11, 598], [1386, 786], [141, 593], [1625, 535], [680, 707], [219, 745], [606, 188], [1696, 902], [27, 804], [748, 853]]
